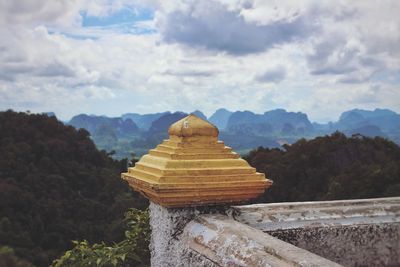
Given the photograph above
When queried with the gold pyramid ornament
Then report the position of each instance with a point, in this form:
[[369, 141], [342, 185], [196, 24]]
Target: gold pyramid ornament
[[193, 168]]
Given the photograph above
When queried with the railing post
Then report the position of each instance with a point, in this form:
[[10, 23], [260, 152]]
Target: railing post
[[186, 173]]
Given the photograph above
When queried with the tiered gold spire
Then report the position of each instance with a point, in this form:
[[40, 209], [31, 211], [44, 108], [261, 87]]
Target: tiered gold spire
[[193, 168]]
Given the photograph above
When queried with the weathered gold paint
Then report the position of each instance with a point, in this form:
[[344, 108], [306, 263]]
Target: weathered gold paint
[[193, 168]]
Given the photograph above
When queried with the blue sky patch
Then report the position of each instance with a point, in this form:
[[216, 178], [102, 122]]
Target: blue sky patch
[[122, 17]]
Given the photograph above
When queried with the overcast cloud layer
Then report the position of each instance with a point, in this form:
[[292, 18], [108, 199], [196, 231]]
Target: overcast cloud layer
[[113, 57]]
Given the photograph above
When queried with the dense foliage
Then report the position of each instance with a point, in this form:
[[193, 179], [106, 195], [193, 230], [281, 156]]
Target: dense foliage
[[330, 167], [55, 186], [132, 251], [8, 258]]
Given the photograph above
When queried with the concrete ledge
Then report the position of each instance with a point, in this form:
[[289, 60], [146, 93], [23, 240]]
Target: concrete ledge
[[291, 215], [217, 240], [362, 232], [351, 232], [358, 245]]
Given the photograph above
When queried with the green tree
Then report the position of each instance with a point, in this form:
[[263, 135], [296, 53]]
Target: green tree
[[132, 251], [56, 186], [330, 167], [8, 259]]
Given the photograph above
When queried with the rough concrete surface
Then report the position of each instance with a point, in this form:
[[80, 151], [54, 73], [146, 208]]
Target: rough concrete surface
[[291, 215], [363, 232], [358, 245], [217, 240], [167, 226], [352, 233]]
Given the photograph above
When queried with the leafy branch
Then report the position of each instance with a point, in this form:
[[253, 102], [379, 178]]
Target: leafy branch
[[132, 251]]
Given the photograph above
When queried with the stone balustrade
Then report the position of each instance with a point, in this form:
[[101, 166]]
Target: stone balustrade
[[192, 180], [360, 232]]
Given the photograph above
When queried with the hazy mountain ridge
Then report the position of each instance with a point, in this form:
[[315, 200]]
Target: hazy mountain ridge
[[200, 114], [242, 130], [92, 124], [387, 120], [274, 122], [162, 124], [220, 118], [143, 121]]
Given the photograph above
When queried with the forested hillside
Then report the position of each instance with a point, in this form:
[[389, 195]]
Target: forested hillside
[[330, 167], [55, 186]]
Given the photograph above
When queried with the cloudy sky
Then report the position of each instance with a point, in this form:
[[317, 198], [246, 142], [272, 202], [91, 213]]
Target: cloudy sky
[[114, 57]]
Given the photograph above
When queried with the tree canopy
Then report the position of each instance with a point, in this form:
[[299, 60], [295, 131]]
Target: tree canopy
[[55, 186], [330, 167]]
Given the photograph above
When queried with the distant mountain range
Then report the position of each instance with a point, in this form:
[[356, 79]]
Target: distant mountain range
[[93, 124], [242, 130]]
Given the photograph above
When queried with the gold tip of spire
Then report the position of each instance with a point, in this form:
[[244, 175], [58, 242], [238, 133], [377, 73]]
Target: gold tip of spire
[[192, 126], [193, 168]]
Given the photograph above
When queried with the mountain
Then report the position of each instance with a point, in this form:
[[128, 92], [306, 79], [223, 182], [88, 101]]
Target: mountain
[[220, 118], [385, 119], [243, 117], [56, 186], [143, 121], [366, 130], [159, 128], [323, 127], [271, 122], [162, 124], [370, 113], [349, 120], [199, 114], [91, 123], [280, 117], [243, 143], [244, 129], [105, 137], [114, 135], [251, 129]]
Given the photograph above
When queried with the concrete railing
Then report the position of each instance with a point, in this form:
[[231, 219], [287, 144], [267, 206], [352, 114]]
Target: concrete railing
[[362, 232], [351, 232], [192, 178], [217, 240]]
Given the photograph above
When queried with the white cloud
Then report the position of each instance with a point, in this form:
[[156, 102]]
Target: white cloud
[[212, 25], [311, 56]]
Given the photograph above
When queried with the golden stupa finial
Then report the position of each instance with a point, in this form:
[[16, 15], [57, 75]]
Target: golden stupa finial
[[193, 168], [193, 126]]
